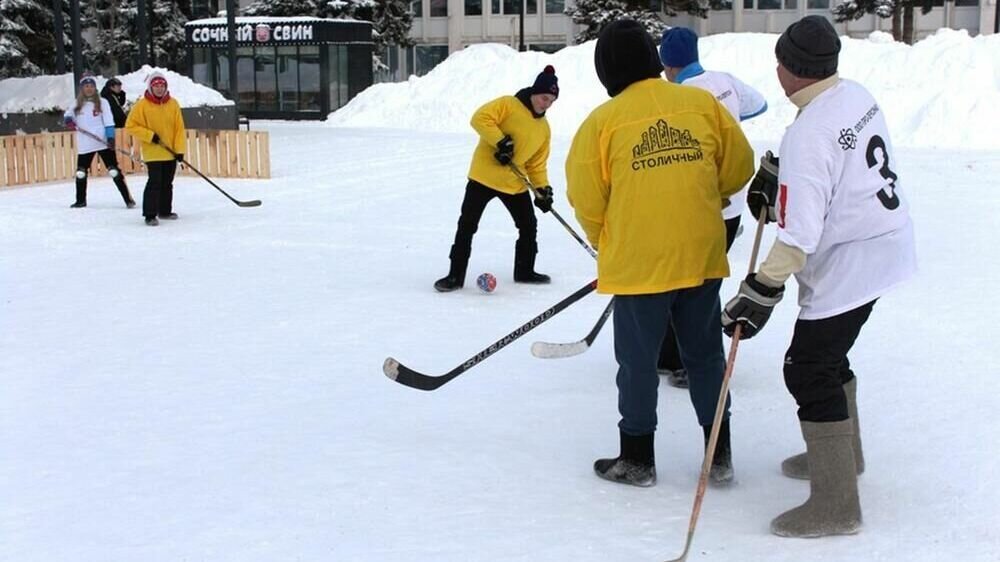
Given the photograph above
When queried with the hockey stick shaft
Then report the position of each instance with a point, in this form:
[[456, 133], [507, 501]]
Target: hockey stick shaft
[[720, 406], [408, 377], [534, 190], [254, 203], [106, 145]]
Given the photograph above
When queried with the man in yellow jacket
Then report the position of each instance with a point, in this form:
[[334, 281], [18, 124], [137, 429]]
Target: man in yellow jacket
[[648, 174], [157, 122], [512, 130]]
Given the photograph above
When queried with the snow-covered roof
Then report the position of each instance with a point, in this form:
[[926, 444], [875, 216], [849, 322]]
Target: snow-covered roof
[[270, 19]]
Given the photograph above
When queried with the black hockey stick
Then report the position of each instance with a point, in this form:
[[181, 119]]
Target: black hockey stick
[[546, 350], [254, 203], [406, 376]]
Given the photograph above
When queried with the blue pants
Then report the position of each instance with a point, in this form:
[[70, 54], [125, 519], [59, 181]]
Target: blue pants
[[640, 324]]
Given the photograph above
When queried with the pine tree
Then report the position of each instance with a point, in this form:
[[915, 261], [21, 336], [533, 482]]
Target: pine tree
[[595, 14], [14, 60], [282, 8], [165, 24], [901, 12], [27, 45]]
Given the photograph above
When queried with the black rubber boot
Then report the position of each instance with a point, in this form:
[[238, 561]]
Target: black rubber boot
[[722, 463], [524, 264], [119, 180], [635, 465], [456, 273]]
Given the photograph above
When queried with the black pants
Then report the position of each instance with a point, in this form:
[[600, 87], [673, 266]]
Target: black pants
[[158, 197], [816, 364], [83, 162], [670, 356], [477, 196]]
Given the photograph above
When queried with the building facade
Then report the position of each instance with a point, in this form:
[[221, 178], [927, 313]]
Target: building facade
[[444, 26]]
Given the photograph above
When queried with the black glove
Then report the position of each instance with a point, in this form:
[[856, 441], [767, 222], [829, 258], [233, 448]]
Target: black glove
[[543, 198], [179, 157], [156, 139], [763, 190], [110, 142], [751, 307], [505, 150]]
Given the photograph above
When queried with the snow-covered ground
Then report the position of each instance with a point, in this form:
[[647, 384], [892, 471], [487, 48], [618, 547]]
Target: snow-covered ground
[[211, 389]]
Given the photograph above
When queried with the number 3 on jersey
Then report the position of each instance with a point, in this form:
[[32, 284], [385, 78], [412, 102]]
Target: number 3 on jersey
[[886, 196]]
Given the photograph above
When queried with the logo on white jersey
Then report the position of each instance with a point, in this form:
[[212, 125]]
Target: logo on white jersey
[[848, 140]]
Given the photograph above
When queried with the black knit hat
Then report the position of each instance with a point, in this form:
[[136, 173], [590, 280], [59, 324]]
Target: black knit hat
[[546, 82], [809, 48], [625, 53]]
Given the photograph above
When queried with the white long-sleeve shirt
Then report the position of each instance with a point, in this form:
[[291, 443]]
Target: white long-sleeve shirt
[[94, 123]]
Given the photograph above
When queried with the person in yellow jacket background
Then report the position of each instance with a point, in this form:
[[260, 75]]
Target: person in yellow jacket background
[[512, 130], [157, 122], [647, 174]]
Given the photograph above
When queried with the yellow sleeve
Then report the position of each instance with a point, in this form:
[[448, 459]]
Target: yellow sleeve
[[587, 189], [180, 134], [486, 120], [135, 124], [537, 166], [735, 157]]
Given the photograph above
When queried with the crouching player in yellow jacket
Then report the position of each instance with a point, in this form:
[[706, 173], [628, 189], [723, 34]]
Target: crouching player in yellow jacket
[[647, 175], [156, 120], [512, 130]]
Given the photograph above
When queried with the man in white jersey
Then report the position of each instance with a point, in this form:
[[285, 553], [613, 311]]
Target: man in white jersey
[[844, 231], [679, 56]]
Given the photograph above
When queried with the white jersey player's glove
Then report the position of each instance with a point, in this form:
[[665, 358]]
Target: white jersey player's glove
[[763, 191], [751, 307]]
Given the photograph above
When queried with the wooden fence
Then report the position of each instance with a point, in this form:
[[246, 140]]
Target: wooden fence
[[27, 159]]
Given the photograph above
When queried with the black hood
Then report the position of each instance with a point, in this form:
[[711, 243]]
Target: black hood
[[524, 95], [625, 53]]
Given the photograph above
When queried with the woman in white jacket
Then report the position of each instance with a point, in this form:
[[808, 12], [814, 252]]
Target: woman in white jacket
[[94, 124]]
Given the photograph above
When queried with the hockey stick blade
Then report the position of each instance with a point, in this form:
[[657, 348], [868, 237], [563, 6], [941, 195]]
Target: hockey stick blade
[[546, 350], [413, 379], [254, 203]]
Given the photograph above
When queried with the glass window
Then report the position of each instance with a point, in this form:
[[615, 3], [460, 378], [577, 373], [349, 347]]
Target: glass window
[[439, 8], [288, 79], [266, 77], [495, 7], [417, 7], [428, 56], [335, 76], [221, 60], [747, 4], [531, 7], [244, 76], [545, 47], [768, 4], [201, 72], [818, 4], [724, 5], [555, 6], [345, 91], [791, 4], [473, 7], [309, 90], [966, 2]]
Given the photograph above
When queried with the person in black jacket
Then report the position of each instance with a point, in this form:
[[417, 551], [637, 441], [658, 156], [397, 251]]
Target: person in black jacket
[[112, 91]]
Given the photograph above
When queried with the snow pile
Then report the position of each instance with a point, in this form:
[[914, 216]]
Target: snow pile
[[938, 92], [57, 92]]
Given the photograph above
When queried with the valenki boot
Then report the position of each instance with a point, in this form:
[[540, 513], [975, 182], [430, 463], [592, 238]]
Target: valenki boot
[[635, 465], [798, 466], [833, 507]]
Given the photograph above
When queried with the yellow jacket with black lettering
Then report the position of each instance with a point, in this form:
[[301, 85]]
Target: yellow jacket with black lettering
[[531, 135], [164, 119], [646, 175]]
